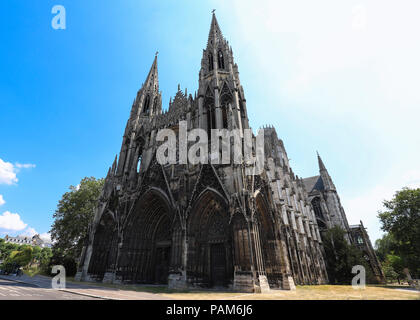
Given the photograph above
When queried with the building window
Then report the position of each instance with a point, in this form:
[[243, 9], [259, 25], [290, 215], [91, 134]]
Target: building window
[[316, 204], [210, 62], [225, 118], [146, 105], [220, 60], [359, 240], [211, 119], [139, 164]]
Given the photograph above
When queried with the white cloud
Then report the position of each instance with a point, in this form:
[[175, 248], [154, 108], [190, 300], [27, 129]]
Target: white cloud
[[11, 222], [46, 237], [7, 173], [2, 202]]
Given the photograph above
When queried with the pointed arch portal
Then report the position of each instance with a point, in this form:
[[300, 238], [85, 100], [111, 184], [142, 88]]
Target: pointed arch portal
[[147, 240], [209, 239]]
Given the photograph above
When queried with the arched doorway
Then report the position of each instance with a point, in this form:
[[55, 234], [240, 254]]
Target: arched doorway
[[105, 238], [147, 240], [209, 242]]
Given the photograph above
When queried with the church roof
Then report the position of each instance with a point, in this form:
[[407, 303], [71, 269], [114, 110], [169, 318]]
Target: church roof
[[312, 183]]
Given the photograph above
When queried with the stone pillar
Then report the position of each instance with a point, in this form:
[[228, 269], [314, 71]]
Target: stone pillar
[[237, 111], [219, 115], [177, 278], [110, 273], [262, 282], [84, 276], [202, 117]]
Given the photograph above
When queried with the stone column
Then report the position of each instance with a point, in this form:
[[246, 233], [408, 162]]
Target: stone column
[[219, 115], [177, 278], [259, 263], [202, 117]]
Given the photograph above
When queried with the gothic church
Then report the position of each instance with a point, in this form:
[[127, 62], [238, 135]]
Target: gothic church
[[207, 225]]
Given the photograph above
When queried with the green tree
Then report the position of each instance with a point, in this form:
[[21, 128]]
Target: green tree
[[71, 220], [401, 219], [6, 249], [341, 257], [389, 272], [23, 256], [44, 260], [395, 263], [18, 258], [384, 246]]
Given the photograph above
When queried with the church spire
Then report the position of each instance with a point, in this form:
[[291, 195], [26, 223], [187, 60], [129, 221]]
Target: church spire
[[320, 163], [215, 33], [149, 100], [152, 79], [326, 178]]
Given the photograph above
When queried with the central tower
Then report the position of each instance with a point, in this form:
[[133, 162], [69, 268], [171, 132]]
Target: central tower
[[221, 100]]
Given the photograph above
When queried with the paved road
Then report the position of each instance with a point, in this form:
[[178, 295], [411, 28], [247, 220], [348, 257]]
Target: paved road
[[42, 284], [11, 290]]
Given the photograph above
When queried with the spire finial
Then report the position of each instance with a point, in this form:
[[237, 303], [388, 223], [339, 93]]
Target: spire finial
[[320, 162], [212, 11], [156, 54]]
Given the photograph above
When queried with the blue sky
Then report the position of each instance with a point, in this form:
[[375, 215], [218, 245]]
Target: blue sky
[[340, 78]]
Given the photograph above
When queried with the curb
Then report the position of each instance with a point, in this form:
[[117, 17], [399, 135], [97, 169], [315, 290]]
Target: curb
[[88, 295]]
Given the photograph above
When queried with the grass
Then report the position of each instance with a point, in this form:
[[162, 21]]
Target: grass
[[319, 292]]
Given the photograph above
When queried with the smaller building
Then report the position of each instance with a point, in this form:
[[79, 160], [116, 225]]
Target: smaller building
[[32, 241], [362, 242]]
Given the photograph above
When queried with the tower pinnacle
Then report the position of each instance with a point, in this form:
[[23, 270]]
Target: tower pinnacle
[[152, 80], [215, 32], [326, 178], [320, 163]]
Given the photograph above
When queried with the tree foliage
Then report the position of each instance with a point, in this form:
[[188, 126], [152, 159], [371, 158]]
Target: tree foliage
[[341, 257], [15, 256], [401, 220], [71, 220], [20, 257], [384, 246], [6, 249]]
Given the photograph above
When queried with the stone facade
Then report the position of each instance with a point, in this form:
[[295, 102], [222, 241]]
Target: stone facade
[[202, 225], [329, 212], [362, 242]]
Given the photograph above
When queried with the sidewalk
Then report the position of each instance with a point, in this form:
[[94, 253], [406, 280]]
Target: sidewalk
[[86, 289]]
